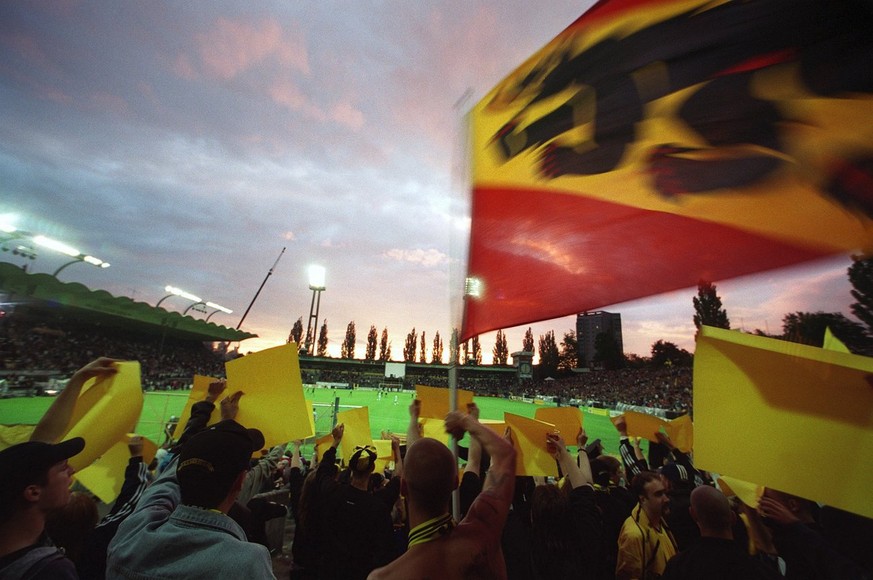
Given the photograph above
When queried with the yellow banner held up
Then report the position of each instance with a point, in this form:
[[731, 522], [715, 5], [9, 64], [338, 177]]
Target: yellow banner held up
[[105, 477], [529, 440], [680, 430], [357, 430], [435, 401], [567, 420], [748, 493], [273, 388], [322, 444], [434, 429], [766, 410], [105, 411], [197, 394], [384, 454]]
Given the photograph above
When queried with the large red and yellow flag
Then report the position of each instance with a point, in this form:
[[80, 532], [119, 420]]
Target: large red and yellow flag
[[655, 143]]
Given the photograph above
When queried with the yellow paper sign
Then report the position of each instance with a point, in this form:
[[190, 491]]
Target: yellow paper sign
[[198, 393], [495, 425], [384, 454], [105, 477], [831, 342], [680, 430], [105, 411], [435, 429], [567, 420], [357, 430], [310, 412], [529, 440], [766, 410], [14, 434], [273, 400], [748, 493], [322, 444], [435, 401]]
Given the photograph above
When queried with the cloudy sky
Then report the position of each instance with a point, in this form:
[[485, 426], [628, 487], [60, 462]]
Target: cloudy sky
[[188, 143]]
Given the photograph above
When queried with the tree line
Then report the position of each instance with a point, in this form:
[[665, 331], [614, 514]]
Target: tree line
[[561, 358]]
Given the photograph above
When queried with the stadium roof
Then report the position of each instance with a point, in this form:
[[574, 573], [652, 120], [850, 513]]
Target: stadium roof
[[99, 306]]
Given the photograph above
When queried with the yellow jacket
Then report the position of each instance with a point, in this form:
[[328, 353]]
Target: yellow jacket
[[643, 551]]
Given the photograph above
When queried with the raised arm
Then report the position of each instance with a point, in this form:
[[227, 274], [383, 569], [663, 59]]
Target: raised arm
[[501, 475], [577, 475], [413, 433], [54, 423], [474, 453]]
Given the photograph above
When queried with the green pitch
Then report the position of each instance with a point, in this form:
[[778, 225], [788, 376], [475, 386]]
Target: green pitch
[[384, 413]]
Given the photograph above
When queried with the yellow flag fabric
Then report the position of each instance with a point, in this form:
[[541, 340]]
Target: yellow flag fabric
[[310, 412], [357, 430], [435, 401], [529, 440], [748, 493], [198, 393], [273, 388], [781, 414], [680, 430], [567, 420], [105, 411]]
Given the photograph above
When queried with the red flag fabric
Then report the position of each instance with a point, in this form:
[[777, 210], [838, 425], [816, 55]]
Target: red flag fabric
[[653, 144]]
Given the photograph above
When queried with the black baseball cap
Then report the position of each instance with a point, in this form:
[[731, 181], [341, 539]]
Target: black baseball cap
[[219, 451], [26, 463]]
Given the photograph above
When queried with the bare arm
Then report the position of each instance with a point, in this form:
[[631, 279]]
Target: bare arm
[[398, 459], [577, 475], [501, 476], [54, 423], [474, 454], [413, 433]]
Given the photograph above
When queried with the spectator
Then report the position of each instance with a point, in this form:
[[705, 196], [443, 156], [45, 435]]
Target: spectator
[[35, 480], [715, 556], [180, 528], [645, 543], [437, 547]]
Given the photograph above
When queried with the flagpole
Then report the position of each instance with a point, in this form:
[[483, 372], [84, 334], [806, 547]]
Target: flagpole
[[267, 277], [453, 406]]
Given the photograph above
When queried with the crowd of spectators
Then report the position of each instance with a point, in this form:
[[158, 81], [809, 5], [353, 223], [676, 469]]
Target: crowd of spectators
[[202, 509]]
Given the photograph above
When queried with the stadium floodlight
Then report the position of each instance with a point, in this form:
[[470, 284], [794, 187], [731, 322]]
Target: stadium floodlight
[[316, 284], [473, 287], [181, 293], [316, 277], [219, 308], [7, 229], [56, 246]]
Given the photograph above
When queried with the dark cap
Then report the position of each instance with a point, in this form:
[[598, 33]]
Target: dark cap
[[363, 459], [218, 452], [675, 473], [26, 463]]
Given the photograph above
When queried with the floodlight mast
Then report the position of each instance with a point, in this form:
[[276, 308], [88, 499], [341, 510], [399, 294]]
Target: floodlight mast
[[317, 285]]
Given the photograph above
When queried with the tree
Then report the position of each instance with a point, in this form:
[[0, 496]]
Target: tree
[[436, 355], [861, 277], [348, 348], [607, 352], [476, 354], [666, 353], [568, 358], [411, 346], [384, 346], [548, 354], [809, 328], [370, 354], [501, 349], [465, 353], [296, 332], [707, 307], [322, 340], [527, 344], [422, 358]]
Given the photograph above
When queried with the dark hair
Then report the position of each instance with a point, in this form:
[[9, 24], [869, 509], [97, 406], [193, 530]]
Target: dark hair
[[70, 526], [603, 468], [553, 531], [640, 480]]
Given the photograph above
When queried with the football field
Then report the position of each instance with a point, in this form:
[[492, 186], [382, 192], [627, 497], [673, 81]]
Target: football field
[[386, 413]]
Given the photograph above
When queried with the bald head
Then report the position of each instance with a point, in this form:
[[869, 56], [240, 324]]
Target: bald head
[[711, 510], [430, 474]]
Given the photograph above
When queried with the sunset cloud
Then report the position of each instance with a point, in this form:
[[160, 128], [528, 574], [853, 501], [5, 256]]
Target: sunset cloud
[[427, 258]]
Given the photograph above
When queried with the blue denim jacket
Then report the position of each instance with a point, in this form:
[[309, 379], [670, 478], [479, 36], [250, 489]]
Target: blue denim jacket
[[163, 540]]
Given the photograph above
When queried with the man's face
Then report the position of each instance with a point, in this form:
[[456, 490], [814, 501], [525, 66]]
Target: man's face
[[656, 500], [56, 492]]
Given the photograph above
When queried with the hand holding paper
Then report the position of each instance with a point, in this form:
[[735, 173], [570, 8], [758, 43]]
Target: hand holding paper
[[230, 406], [215, 390]]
